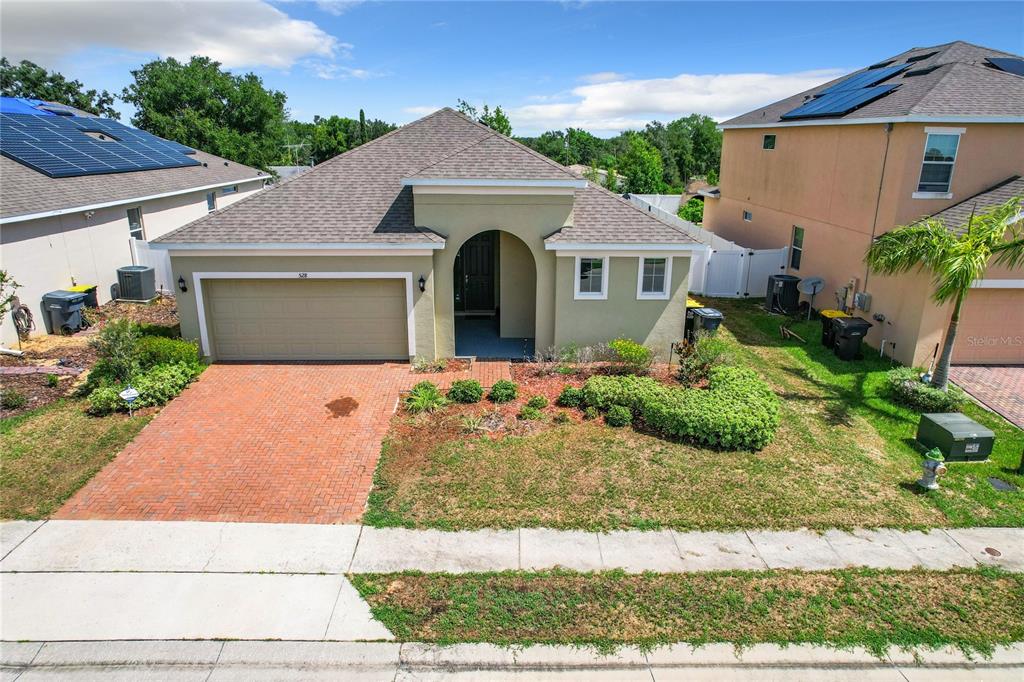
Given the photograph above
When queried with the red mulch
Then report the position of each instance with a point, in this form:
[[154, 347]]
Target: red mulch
[[451, 365], [162, 311]]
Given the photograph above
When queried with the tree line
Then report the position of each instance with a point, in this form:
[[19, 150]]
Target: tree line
[[199, 104]]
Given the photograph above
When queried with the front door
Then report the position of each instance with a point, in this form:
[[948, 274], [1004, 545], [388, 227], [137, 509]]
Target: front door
[[474, 274]]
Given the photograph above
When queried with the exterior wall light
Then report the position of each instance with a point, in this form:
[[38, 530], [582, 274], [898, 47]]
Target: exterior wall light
[[181, 284], [423, 284]]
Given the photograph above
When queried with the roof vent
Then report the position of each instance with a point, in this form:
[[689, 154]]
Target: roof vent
[[920, 57], [921, 72], [881, 64]]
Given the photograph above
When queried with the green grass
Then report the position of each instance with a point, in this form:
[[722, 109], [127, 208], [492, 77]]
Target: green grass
[[843, 457], [49, 453], [974, 610]]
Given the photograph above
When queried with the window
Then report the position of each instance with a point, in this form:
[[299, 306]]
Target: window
[[768, 142], [229, 190], [937, 168], [654, 277], [135, 229], [591, 278], [748, 216], [211, 201], [796, 252]]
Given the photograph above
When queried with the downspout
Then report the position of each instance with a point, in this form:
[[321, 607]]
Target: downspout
[[878, 196]]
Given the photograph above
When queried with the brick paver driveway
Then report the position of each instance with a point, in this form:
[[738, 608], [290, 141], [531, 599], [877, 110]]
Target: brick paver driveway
[[1000, 388], [280, 443]]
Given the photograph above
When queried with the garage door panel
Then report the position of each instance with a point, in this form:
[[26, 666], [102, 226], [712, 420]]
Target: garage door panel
[[307, 319]]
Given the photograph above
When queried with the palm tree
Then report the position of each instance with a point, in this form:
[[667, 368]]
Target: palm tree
[[954, 258]]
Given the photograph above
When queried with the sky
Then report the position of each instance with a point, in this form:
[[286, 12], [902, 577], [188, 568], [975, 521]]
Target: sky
[[602, 66]]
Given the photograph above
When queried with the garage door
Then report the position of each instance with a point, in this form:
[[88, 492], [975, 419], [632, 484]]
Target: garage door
[[991, 330], [307, 319]]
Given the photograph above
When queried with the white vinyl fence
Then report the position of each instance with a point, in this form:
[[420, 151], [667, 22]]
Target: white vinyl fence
[[724, 268], [158, 259]]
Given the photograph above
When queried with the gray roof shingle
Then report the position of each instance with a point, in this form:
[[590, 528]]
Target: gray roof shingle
[[960, 85], [358, 196], [26, 191], [956, 216]]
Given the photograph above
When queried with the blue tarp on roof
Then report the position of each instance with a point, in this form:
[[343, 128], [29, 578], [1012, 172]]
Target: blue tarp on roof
[[22, 105]]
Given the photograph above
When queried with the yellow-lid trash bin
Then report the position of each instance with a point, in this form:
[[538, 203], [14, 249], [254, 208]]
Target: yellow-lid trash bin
[[90, 294]]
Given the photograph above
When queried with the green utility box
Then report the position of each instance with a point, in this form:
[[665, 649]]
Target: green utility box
[[958, 437]]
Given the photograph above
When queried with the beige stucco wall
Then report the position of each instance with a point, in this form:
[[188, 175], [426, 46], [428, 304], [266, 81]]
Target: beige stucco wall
[[655, 323], [517, 288], [423, 302], [458, 217], [826, 179], [53, 253]]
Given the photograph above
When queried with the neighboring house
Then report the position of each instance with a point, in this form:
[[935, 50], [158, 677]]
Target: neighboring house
[[397, 247], [73, 207], [932, 131]]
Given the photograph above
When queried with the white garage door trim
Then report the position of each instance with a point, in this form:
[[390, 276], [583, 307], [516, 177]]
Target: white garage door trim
[[198, 277]]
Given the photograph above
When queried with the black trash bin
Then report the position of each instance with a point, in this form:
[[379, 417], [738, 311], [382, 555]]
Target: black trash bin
[[828, 329], [707, 319], [65, 311], [850, 332]]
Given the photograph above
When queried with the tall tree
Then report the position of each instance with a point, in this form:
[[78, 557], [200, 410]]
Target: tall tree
[[641, 166], [955, 261], [495, 120], [200, 105], [27, 79], [657, 134], [328, 137]]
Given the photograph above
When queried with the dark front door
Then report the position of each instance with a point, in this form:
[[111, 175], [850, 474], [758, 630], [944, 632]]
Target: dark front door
[[474, 274]]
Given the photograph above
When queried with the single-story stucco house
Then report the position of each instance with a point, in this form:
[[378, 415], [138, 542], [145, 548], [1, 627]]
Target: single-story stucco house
[[441, 238]]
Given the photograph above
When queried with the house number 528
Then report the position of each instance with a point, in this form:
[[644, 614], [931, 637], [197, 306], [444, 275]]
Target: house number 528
[[303, 275]]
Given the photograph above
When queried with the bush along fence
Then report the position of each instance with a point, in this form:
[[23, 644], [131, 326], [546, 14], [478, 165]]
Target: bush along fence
[[737, 409]]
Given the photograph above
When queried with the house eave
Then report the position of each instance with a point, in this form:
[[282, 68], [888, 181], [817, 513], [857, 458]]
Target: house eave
[[910, 118]]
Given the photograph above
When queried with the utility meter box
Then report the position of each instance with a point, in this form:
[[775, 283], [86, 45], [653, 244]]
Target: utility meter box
[[958, 437]]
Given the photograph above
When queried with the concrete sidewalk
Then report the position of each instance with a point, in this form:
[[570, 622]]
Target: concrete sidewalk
[[202, 547], [222, 661]]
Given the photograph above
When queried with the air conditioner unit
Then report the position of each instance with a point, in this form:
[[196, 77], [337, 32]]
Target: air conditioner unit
[[136, 283]]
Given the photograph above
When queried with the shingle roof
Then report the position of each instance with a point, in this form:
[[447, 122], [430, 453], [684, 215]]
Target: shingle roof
[[358, 196], [961, 85], [26, 191], [956, 216]]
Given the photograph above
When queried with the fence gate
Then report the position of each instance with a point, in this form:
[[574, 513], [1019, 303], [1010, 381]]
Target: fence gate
[[762, 264], [726, 274], [158, 259]]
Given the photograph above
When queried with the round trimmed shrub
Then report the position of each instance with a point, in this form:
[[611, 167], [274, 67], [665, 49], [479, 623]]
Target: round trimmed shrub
[[591, 413], [528, 413], [537, 402], [503, 391], [466, 391], [906, 388], [618, 415], [570, 397]]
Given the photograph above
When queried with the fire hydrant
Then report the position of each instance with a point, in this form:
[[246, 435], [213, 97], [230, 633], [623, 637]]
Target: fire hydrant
[[932, 467]]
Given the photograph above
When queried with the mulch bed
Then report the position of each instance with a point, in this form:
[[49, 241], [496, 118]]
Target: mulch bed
[[36, 389], [452, 365], [161, 311]]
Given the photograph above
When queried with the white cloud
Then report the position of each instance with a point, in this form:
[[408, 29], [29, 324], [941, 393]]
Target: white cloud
[[331, 71], [603, 77], [238, 34], [613, 105], [337, 7]]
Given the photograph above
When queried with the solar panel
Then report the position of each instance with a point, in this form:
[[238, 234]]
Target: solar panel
[[1008, 64], [839, 103], [864, 79], [62, 146]]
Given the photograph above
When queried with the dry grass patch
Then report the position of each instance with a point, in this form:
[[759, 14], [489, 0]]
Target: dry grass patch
[[48, 454], [972, 609]]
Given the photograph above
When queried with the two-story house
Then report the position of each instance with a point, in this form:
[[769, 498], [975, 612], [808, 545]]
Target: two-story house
[[932, 131]]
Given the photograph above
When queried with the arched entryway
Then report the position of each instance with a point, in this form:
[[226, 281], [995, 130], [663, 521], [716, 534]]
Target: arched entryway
[[494, 280]]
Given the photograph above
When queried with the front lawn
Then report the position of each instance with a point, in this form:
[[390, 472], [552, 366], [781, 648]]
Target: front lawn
[[843, 457], [49, 453], [971, 609]]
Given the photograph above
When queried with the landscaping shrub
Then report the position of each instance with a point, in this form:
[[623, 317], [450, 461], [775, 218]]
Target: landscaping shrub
[[562, 418], [905, 387], [698, 357], [618, 415], [52, 380], [537, 402], [570, 397], [466, 391], [422, 364], [12, 399], [591, 413], [503, 391], [737, 410], [156, 386], [162, 350], [161, 330], [425, 397], [632, 357], [528, 412], [115, 344]]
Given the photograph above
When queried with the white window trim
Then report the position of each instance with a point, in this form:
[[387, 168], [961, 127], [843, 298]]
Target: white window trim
[[930, 130], [197, 286], [142, 222], [641, 295], [745, 218], [207, 198], [578, 295], [774, 142]]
